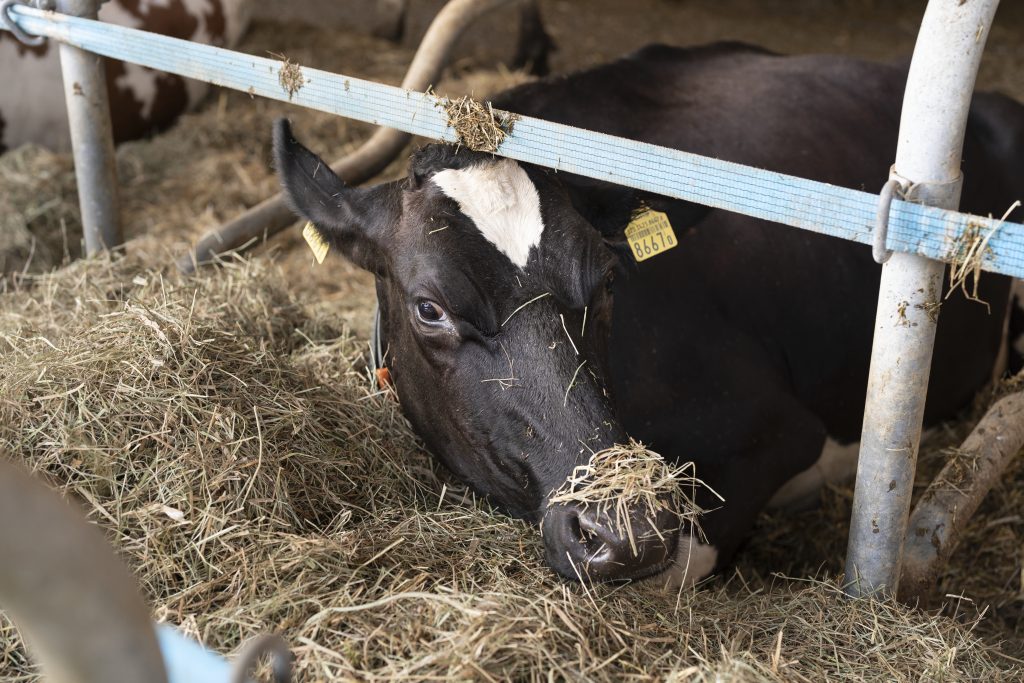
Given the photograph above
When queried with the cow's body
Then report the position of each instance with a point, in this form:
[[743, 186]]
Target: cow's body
[[745, 349], [142, 101]]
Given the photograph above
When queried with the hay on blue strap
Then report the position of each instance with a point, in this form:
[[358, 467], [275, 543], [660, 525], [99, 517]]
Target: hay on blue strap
[[798, 202]]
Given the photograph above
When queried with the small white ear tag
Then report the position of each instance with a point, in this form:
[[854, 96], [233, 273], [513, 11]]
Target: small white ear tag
[[317, 244]]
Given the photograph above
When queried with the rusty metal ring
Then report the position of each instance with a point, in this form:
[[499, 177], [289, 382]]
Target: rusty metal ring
[[266, 644]]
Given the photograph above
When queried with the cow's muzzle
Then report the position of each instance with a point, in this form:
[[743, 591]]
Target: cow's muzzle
[[590, 543]]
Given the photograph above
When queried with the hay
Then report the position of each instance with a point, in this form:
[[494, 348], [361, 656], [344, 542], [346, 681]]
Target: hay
[[39, 224], [969, 253], [225, 437], [290, 76], [476, 123], [627, 477]]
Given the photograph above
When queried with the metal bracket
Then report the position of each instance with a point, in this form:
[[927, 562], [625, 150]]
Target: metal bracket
[[8, 21], [929, 194], [895, 186]]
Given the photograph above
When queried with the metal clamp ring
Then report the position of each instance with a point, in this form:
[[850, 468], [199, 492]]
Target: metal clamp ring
[[885, 197], [266, 644], [8, 22]]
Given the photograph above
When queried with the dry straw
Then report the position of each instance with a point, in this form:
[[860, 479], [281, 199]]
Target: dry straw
[[290, 75], [625, 478], [476, 123], [969, 254], [225, 438]]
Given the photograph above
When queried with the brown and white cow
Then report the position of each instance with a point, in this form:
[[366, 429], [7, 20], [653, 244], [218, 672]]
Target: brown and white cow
[[142, 101]]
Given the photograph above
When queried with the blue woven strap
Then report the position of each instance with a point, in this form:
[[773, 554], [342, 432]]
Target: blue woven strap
[[187, 661], [777, 197]]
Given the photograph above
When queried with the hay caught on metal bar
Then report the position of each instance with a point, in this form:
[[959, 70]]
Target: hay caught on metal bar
[[476, 123], [969, 254], [290, 76]]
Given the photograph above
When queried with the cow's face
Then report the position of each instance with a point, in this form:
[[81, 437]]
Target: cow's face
[[496, 301]]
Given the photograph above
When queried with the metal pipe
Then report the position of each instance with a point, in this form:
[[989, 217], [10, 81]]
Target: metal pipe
[[936, 102], [77, 605], [273, 215], [92, 139]]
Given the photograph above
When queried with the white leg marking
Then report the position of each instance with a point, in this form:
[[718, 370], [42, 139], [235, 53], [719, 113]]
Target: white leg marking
[[503, 203], [836, 464], [694, 561]]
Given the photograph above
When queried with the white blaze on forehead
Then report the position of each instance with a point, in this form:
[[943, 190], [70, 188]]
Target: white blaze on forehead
[[503, 203]]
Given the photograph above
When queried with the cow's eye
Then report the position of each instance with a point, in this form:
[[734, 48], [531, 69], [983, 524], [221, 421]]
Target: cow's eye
[[430, 312]]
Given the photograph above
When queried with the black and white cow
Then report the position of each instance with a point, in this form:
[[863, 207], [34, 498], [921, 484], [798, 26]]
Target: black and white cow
[[142, 101], [744, 349]]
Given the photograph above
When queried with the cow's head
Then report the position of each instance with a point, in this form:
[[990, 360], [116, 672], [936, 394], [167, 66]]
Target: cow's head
[[496, 302]]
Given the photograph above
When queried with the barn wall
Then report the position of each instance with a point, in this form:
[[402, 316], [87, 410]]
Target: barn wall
[[494, 39]]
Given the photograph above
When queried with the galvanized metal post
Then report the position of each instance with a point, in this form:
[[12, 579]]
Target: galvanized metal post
[[92, 140], [937, 99]]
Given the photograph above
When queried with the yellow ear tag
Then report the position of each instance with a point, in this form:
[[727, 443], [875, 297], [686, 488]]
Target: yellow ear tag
[[316, 242], [649, 234]]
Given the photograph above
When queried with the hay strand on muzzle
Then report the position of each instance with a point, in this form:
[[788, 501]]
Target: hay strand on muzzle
[[628, 477]]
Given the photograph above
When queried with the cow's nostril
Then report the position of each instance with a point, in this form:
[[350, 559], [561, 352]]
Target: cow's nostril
[[584, 541], [577, 529]]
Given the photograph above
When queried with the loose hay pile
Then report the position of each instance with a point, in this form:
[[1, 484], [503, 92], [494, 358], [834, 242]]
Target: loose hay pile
[[225, 437], [38, 211]]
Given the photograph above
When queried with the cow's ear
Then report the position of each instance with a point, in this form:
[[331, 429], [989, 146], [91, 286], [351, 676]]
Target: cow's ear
[[358, 221]]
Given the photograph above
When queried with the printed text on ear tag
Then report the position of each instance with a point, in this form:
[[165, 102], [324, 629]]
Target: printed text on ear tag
[[649, 234], [316, 242]]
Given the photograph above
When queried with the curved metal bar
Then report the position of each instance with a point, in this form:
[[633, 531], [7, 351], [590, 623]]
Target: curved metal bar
[[938, 95], [273, 215], [77, 605]]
